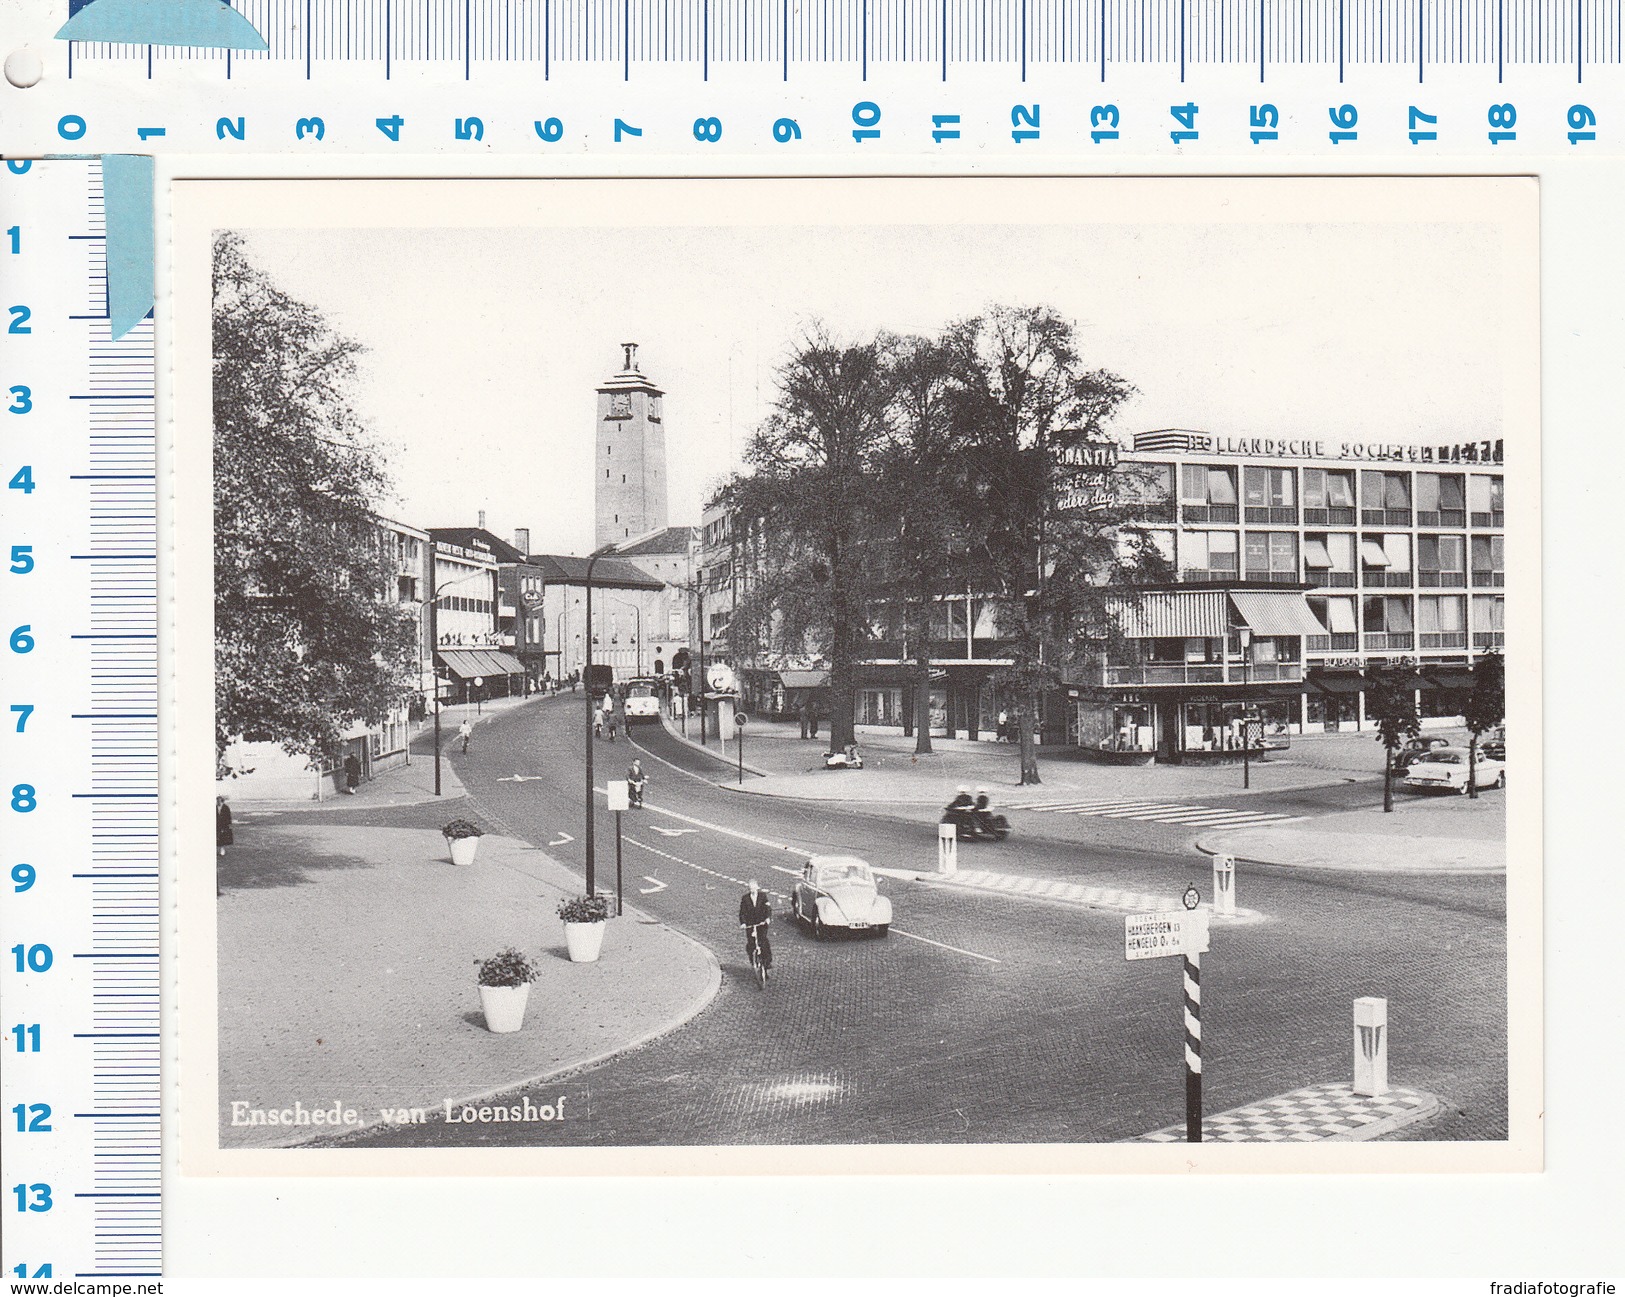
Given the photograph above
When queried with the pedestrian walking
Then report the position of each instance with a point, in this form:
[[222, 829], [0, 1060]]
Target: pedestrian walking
[[465, 732], [223, 837], [1004, 727], [352, 773], [608, 714], [806, 718]]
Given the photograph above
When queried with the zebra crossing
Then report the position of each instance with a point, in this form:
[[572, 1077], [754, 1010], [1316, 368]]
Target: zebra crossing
[[1202, 817]]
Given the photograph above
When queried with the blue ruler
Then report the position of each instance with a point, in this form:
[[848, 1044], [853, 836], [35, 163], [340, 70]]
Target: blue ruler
[[80, 764]]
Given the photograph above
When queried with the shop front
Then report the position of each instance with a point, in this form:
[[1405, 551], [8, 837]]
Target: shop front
[[1332, 698], [477, 675]]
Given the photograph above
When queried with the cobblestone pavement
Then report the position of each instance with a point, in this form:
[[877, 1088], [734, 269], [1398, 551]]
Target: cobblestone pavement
[[987, 1016]]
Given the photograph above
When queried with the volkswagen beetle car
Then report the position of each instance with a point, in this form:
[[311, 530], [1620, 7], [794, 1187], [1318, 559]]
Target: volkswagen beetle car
[[642, 701], [839, 892], [1446, 769]]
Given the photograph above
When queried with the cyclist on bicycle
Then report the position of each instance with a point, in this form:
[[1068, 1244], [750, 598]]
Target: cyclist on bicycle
[[755, 913]]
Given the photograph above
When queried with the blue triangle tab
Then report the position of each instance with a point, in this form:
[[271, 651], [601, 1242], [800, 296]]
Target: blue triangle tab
[[127, 194], [202, 24]]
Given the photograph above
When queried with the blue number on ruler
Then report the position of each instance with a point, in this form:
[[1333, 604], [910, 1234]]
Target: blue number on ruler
[[22, 877], [310, 126], [1105, 116], [1503, 117], [21, 1271], [470, 128], [1419, 118], [1344, 120], [71, 127], [391, 127], [708, 130], [22, 556], [225, 126], [1581, 119], [15, 234], [32, 1118], [33, 959], [942, 124], [1185, 115], [17, 166], [20, 316], [27, 1037], [24, 710], [786, 129], [1023, 122], [867, 116], [551, 131], [147, 132], [23, 798], [621, 128], [22, 480], [1264, 119], [24, 400], [32, 1197]]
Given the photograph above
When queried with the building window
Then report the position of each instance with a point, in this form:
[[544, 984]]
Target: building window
[[1272, 556], [1440, 500], [1485, 499], [1208, 494], [1148, 490], [1328, 558], [1385, 560], [1441, 621], [1385, 498], [1489, 560], [1209, 556], [1489, 621], [1328, 496], [1388, 624], [1271, 495], [1440, 562], [1336, 614]]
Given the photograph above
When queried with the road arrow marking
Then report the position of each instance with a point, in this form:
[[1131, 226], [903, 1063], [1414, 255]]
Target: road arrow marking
[[649, 891], [561, 840], [671, 833]]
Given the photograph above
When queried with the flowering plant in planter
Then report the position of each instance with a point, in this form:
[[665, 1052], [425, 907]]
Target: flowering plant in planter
[[459, 829], [584, 909], [507, 968]]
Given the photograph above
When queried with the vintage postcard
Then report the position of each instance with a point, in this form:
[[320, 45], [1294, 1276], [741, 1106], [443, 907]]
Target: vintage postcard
[[993, 675]]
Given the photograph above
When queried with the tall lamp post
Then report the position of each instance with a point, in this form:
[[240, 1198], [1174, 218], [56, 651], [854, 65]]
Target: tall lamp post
[[1245, 635], [637, 614], [592, 561]]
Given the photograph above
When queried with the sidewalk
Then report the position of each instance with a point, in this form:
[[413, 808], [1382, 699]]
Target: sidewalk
[[347, 974], [894, 775], [1422, 835]]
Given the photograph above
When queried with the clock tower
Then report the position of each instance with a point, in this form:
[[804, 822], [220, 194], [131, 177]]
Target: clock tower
[[630, 467]]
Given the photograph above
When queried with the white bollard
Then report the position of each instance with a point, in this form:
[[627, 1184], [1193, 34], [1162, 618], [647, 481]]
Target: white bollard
[[947, 849], [1224, 885], [1371, 1046]]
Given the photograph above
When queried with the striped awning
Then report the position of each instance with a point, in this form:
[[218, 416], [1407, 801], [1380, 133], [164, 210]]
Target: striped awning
[[1276, 612], [472, 664], [1176, 614]]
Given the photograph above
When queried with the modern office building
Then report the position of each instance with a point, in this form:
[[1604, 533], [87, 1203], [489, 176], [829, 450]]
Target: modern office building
[[1395, 551]]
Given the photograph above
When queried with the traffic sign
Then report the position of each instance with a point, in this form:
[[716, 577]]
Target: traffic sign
[[1165, 932], [739, 720], [1192, 897], [619, 796]]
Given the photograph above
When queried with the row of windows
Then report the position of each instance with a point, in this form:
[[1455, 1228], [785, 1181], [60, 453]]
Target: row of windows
[[458, 603], [1209, 493], [1329, 558], [1393, 622]]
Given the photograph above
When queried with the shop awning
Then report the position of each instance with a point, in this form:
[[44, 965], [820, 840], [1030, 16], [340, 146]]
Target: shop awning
[[1454, 676], [1276, 612], [1315, 554], [471, 664], [1373, 554], [1176, 614], [1336, 682], [804, 679]]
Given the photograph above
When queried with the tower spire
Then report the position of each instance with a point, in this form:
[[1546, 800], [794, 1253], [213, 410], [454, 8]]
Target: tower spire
[[631, 350]]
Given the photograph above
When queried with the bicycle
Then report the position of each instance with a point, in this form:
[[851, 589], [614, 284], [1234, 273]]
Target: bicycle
[[753, 948]]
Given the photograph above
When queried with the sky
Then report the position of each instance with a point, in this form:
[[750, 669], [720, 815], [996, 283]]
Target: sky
[[484, 346]]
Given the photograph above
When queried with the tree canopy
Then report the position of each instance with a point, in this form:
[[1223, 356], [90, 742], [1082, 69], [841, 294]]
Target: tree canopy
[[306, 643]]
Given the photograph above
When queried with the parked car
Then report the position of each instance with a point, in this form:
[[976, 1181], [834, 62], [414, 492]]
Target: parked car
[[839, 892], [1446, 770], [1417, 749], [642, 701], [1494, 743]]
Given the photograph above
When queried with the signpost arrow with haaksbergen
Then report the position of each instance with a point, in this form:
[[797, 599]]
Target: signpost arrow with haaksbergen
[[1178, 932]]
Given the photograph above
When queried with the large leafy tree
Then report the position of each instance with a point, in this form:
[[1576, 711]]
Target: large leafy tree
[[1056, 568], [805, 508], [1486, 708], [306, 643]]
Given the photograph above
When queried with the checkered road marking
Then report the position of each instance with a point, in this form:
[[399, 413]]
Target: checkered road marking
[[1206, 817], [1330, 1111], [1055, 889]]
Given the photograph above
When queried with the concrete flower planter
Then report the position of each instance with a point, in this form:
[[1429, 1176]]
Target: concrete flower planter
[[463, 850], [504, 1005], [583, 941]]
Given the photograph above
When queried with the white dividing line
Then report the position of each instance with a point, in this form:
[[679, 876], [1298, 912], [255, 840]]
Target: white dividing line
[[943, 945]]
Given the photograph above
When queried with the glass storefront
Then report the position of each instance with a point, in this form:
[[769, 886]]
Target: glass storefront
[[880, 707], [1125, 727], [1217, 727]]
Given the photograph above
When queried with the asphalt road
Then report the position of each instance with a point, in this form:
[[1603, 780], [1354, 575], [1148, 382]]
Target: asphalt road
[[984, 1017]]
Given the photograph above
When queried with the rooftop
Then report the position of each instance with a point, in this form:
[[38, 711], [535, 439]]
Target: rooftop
[[567, 569], [668, 540]]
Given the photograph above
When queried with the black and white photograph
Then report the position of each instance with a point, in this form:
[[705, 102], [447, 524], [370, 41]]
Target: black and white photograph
[[996, 674]]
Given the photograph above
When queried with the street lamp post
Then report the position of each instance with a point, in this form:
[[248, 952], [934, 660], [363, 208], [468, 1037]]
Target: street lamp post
[[592, 561], [1245, 635], [637, 614]]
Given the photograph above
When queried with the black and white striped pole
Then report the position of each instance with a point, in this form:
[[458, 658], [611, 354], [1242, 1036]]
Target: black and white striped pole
[[1193, 1032], [1184, 932]]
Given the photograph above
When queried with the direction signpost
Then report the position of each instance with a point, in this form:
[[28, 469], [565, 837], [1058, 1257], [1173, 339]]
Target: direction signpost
[[619, 796], [1178, 932], [739, 740]]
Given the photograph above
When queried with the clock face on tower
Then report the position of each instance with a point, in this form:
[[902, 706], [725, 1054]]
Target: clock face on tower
[[620, 407]]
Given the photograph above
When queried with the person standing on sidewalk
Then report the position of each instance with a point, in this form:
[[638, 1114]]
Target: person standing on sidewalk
[[223, 836], [464, 732], [352, 773]]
